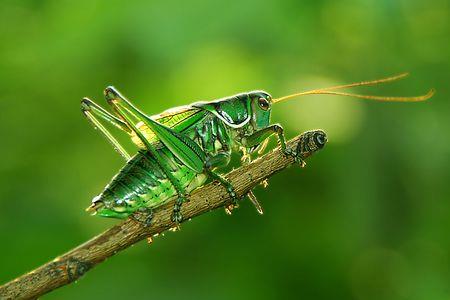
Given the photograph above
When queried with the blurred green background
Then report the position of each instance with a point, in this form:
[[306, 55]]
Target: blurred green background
[[367, 219]]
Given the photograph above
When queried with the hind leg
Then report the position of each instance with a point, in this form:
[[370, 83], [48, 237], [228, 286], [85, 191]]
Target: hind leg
[[91, 111], [129, 114]]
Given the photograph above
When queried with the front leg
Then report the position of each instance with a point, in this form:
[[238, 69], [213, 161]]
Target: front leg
[[262, 135]]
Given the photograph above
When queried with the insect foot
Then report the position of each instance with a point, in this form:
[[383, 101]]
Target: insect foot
[[265, 183], [230, 207], [234, 200], [143, 216], [234, 197], [295, 154], [177, 217]]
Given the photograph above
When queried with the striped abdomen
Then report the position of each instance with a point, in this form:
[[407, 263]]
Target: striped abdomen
[[142, 183]]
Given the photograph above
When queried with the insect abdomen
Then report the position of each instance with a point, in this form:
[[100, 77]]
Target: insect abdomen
[[141, 183]]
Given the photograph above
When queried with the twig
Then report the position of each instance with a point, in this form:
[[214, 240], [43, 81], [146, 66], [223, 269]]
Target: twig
[[70, 266]]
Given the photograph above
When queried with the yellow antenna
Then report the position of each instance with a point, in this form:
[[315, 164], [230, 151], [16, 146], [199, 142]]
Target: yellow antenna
[[331, 91]]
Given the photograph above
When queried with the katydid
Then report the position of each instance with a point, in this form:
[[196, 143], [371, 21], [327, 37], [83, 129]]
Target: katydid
[[180, 149]]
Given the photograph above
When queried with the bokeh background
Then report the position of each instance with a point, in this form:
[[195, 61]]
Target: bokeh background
[[367, 219]]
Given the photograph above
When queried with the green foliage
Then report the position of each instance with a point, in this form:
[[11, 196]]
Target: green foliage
[[367, 219]]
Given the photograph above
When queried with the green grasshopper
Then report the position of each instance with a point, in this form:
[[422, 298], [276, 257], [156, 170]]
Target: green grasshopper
[[180, 149]]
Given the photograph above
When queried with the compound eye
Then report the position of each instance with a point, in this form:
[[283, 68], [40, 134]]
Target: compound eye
[[263, 103]]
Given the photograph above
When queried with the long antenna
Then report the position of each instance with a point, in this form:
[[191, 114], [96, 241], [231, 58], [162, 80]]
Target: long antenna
[[330, 91]]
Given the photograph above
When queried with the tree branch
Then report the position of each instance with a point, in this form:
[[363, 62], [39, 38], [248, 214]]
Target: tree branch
[[70, 266]]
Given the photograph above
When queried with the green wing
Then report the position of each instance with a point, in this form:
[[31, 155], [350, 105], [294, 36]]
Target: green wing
[[166, 128], [170, 136], [178, 118]]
